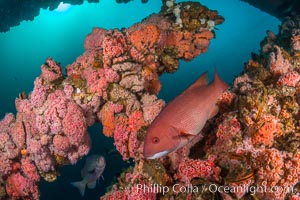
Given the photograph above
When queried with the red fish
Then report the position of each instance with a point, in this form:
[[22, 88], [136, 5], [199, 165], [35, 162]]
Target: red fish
[[182, 119]]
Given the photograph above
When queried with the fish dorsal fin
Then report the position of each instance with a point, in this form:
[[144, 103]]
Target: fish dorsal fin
[[202, 80], [219, 82]]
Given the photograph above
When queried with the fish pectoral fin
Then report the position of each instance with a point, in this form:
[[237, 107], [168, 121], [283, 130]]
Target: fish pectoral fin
[[80, 185], [214, 112], [91, 185], [183, 133]]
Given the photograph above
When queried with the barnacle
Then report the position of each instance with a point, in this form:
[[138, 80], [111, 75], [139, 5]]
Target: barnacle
[[157, 171], [24, 152], [49, 176], [2, 191], [289, 142], [60, 159]]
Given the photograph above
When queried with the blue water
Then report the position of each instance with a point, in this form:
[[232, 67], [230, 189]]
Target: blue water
[[61, 34]]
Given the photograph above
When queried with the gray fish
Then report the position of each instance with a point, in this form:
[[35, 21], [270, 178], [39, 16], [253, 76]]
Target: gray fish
[[92, 170]]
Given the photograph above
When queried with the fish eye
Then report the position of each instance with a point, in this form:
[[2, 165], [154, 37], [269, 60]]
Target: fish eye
[[155, 140]]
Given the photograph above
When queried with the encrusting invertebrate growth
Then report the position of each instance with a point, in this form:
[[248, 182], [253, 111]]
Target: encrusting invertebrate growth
[[114, 82]]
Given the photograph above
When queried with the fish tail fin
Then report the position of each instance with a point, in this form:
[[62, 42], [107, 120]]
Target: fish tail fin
[[80, 185], [219, 82], [92, 185]]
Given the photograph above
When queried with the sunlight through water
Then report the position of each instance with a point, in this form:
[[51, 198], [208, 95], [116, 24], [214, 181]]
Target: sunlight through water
[[62, 7]]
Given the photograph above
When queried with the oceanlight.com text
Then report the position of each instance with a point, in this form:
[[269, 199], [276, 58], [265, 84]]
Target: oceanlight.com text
[[213, 188]]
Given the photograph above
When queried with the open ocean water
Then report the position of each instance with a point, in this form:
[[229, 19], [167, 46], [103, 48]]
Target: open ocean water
[[61, 35]]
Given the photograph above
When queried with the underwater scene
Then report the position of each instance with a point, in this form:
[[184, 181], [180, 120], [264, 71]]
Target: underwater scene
[[150, 99]]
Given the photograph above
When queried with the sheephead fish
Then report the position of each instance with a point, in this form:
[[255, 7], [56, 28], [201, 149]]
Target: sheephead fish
[[90, 173], [183, 118]]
